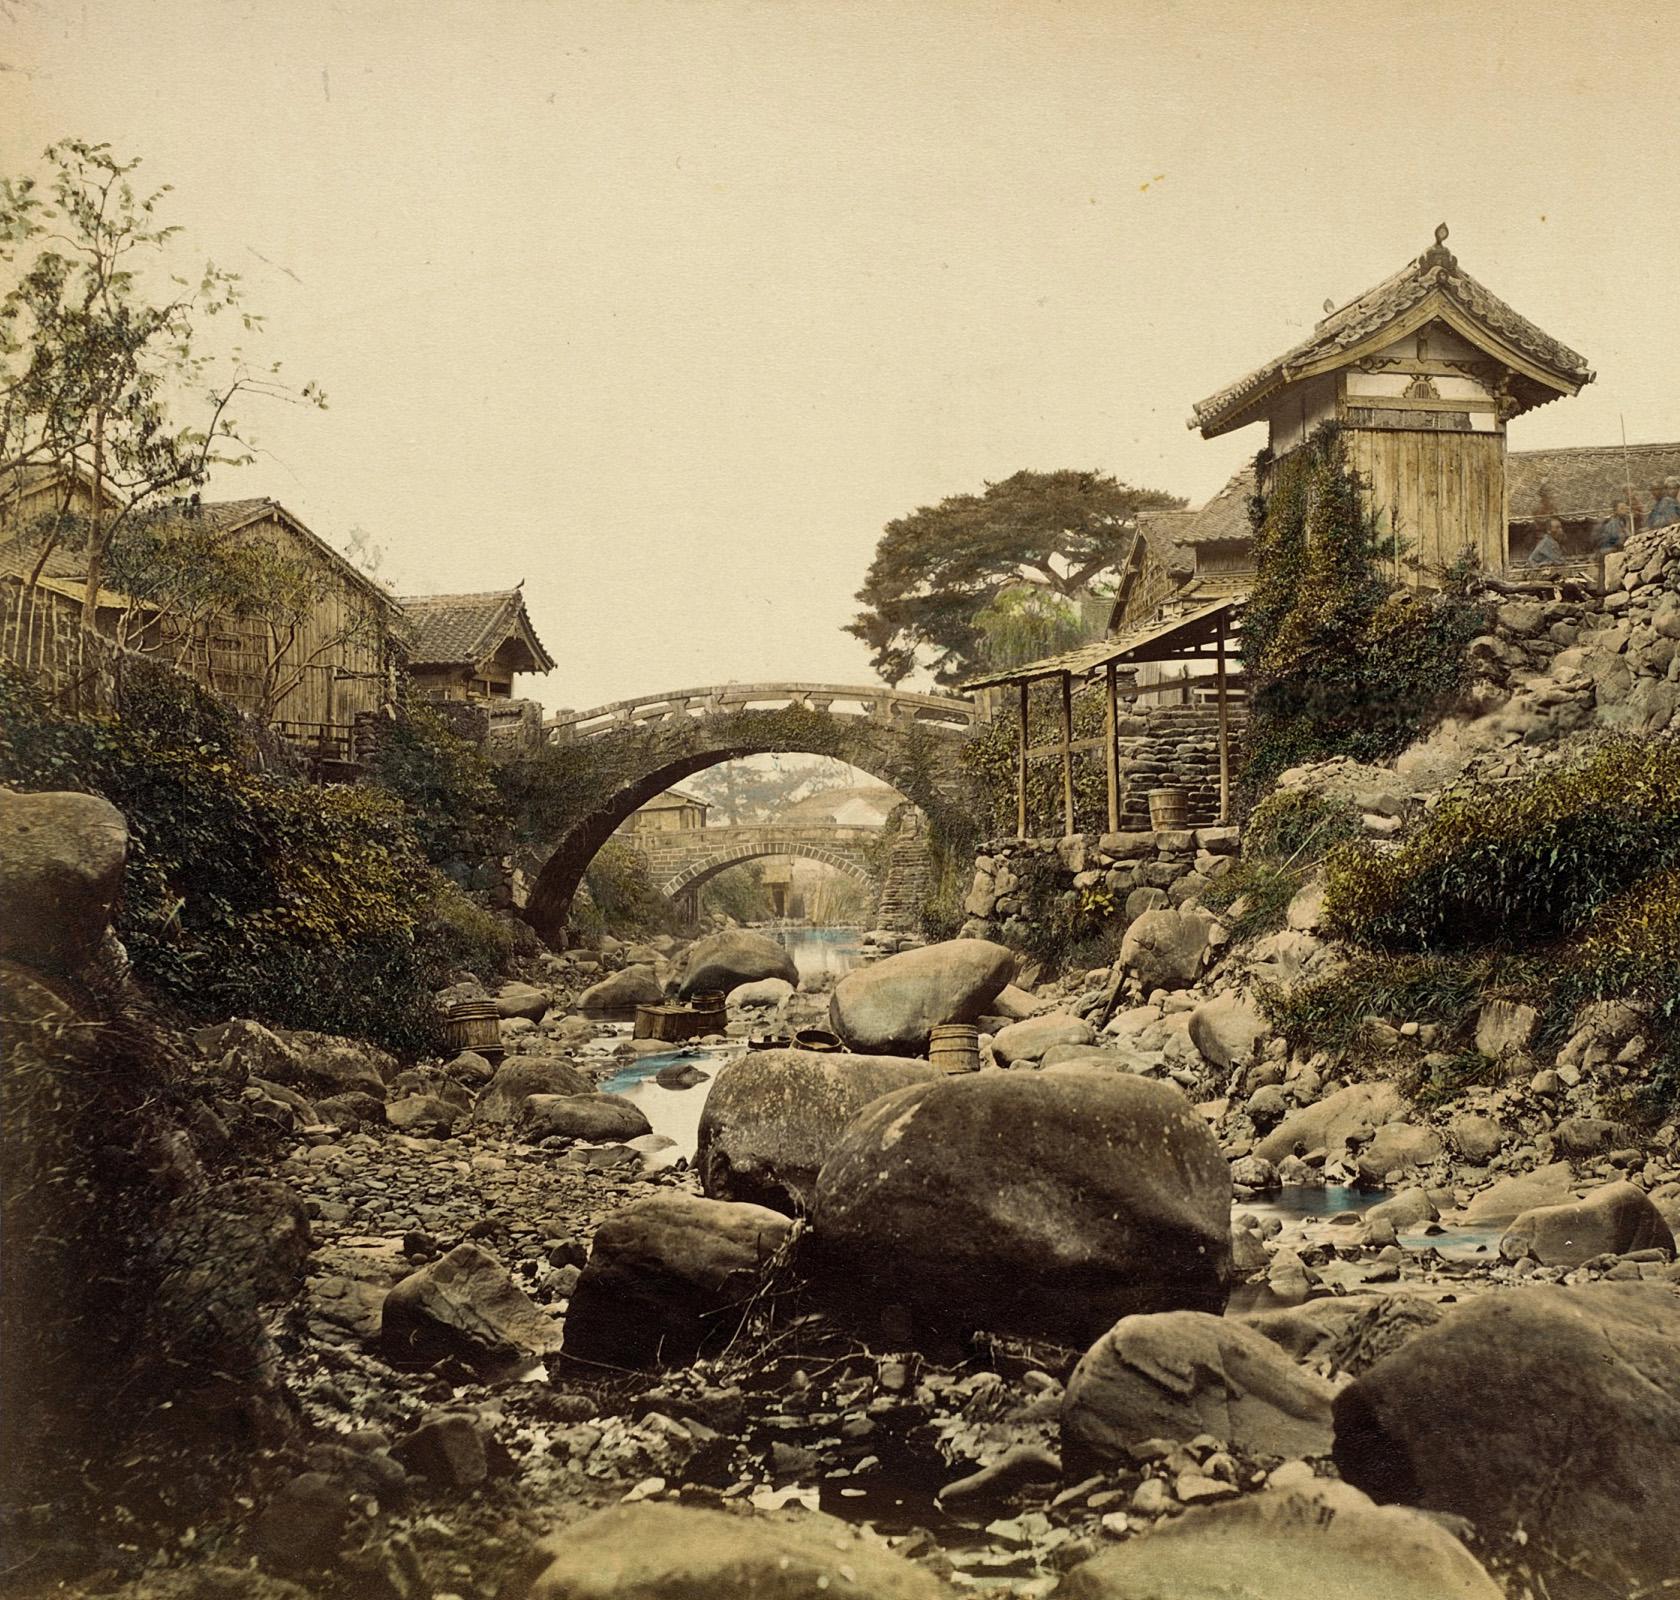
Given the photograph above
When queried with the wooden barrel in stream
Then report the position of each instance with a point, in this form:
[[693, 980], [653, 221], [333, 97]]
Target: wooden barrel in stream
[[955, 1047], [1168, 808], [471, 1025]]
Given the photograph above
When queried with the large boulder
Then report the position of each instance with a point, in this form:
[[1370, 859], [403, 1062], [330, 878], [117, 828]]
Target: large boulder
[[521, 1000], [1610, 1220], [1165, 949], [1027, 1041], [724, 961], [1292, 1543], [464, 1305], [1354, 1113], [667, 1278], [891, 1007], [333, 1065], [61, 868], [1555, 1410], [634, 986], [1031, 1203], [595, 1117], [766, 995], [773, 1116], [657, 1551], [1182, 1373], [1229, 1031], [1506, 1200], [502, 1099]]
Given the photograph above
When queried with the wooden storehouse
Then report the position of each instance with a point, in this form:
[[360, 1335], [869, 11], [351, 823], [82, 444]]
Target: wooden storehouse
[[470, 646], [1423, 373], [306, 664], [674, 811]]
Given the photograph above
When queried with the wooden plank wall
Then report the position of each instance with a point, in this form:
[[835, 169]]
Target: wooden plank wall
[[1448, 490]]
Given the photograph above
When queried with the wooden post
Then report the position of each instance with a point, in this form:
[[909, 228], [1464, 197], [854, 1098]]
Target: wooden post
[[1021, 770], [1067, 753], [1224, 725], [1111, 750]]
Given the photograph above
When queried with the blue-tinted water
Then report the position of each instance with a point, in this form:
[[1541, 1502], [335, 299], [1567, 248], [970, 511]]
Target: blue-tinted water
[[815, 951]]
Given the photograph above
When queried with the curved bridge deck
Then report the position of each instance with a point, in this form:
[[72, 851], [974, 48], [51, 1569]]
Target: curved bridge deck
[[885, 707]]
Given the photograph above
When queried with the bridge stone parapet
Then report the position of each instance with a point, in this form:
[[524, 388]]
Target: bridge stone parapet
[[885, 707]]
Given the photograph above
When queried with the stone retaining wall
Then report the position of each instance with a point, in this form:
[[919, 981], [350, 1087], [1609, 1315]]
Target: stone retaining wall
[[1172, 746], [1139, 869]]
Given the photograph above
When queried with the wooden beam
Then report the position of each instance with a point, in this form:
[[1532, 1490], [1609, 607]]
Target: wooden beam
[[1111, 749], [1067, 753], [1360, 401], [1224, 732], [1021, 771]]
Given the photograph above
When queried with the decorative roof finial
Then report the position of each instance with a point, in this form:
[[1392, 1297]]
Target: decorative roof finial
[[1438, 255]]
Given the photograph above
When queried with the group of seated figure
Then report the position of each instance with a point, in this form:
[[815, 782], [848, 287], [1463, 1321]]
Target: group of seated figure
[[1615, 530]]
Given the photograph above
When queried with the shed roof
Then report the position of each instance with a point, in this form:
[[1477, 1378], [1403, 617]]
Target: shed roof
[[228, 516], [1181, 632], [1434, 285], [673, 800], [1224, 519], [1583, 480], [465, 630]]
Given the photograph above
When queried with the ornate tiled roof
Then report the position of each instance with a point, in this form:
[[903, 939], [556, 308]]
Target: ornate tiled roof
[[1435, 272], [1584, 480], [465, 630], [1163, 533]]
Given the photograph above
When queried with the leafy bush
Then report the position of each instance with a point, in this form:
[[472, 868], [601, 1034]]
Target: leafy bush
[[622, 895], [458, 933], [1531, 859], [246, 891], [454, 804], [990, 755], [1340, 661], [1287, 835]]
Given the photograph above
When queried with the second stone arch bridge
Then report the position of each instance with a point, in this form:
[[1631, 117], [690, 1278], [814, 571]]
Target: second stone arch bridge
[[685, 858], [628, 751]]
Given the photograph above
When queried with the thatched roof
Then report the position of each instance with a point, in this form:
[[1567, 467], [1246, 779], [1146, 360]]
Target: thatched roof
[[1434, 285], [1584, 480], [466, 630]]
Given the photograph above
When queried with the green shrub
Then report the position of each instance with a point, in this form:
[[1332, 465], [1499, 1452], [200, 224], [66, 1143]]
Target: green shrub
[[1287, 835], [458, 933], [623, 896], [246, 891], [989, 759], [448, 788], [1526, 860]]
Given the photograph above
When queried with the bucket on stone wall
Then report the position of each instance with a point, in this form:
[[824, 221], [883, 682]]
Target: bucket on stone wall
[[955, 1047], [471, 1025], [1168, 808]]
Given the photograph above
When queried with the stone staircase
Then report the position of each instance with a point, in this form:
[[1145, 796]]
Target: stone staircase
[[905, 887]]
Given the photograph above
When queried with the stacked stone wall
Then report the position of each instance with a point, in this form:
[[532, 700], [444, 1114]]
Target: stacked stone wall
[[1139, 869], [1172, 747]]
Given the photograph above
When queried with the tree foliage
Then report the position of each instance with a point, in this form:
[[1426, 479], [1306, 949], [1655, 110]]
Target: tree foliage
[[937, 570], [104, 375]]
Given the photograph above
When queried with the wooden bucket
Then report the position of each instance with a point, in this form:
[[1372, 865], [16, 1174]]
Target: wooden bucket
[[471, 1025], [1168, 808], [955, 1047], [817, 1039]]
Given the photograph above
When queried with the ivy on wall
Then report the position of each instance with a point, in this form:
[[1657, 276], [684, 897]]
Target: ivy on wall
[[1340, 661]]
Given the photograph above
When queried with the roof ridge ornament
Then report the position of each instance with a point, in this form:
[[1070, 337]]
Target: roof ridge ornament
[[1438, 255]]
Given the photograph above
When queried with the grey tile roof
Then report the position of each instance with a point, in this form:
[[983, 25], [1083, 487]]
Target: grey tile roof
[[1435, 271], [464, 630], [1584, 480]]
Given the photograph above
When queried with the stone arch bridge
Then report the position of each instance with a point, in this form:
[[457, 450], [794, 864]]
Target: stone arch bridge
[[685, 858], [619, 756]]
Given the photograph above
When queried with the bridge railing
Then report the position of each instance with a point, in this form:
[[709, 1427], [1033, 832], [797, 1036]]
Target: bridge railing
[[885, 707]]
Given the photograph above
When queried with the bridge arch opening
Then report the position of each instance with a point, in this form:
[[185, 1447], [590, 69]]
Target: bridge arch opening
[[914, 753]]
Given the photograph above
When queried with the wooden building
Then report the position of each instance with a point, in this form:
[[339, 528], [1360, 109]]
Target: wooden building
[[469, 646], [305, 661], [1423, 372], [670, 812]]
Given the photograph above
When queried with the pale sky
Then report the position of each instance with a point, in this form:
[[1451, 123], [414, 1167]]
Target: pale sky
[[668, 306]]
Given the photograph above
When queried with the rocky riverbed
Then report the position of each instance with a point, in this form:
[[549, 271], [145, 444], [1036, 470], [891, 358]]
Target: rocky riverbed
[[1147, 1300]]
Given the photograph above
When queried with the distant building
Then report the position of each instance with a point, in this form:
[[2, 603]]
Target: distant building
[[669, 812], [1423, 373], [854, 806], [1580, 486], [470, 646]]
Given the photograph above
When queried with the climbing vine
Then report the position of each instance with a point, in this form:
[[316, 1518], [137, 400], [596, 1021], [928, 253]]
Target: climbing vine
[[1340, 660]]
